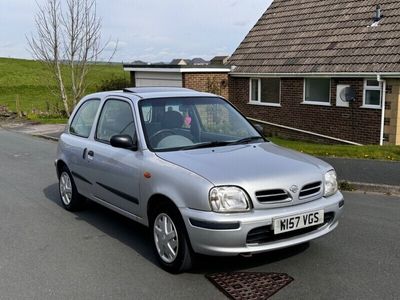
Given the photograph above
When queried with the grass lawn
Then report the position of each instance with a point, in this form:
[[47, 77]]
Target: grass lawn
[[29, 81], [45, 120], [366, 152]]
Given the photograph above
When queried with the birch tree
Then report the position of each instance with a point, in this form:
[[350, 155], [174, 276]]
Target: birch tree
[[68, 41]]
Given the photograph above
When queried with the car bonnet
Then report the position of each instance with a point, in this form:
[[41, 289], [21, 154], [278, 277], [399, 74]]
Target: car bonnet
[[259, 164]]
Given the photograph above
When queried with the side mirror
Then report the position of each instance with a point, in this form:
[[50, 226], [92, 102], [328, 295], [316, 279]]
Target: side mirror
[[124, 141], [259, 128]]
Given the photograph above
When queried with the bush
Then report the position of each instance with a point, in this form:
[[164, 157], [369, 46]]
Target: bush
[[114, 83]]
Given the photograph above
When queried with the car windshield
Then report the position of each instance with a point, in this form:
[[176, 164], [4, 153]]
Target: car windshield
[[173, 124]]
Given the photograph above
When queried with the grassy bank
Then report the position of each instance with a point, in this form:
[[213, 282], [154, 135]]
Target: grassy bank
[[388, 152], [29, 82]]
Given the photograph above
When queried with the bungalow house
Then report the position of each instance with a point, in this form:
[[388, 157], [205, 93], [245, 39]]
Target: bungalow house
[[179, 62], [326, 69], [293, 68], [219, 60]]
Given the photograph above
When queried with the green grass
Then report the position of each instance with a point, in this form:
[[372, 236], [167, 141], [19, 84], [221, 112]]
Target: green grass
[[29, 81], [47, 120], [387, 152]]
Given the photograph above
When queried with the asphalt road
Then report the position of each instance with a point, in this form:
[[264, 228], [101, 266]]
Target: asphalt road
[[366, 170], [49, 253]]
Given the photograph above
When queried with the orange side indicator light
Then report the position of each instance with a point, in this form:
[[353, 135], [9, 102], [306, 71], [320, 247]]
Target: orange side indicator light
[[147, 175]]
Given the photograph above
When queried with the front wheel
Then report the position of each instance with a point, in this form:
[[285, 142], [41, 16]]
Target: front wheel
[[171, 244], [70, 198]]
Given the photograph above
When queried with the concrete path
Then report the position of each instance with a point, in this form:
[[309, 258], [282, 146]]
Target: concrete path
[[51, 131]]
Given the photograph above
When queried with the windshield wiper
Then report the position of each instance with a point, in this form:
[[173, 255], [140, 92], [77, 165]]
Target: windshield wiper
[[206, 145], [222, 143], [246, 140]]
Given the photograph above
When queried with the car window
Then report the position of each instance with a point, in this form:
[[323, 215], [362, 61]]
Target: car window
[[181, 123], [82, 123], [220, 118], [116, 118]]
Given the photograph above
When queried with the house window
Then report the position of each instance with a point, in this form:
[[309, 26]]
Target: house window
[[265, 91], [317, 90], [254, 94], [372, 93]]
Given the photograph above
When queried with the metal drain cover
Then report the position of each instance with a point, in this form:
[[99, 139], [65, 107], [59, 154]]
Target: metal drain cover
[[249, 285]]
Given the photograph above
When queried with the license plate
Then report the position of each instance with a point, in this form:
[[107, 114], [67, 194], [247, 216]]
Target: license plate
[[295, 222]]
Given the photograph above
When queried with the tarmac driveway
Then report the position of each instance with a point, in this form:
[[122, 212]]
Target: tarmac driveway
[[49, 253]]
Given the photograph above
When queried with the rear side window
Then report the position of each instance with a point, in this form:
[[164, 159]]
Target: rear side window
[[116, 118], [82, 123]]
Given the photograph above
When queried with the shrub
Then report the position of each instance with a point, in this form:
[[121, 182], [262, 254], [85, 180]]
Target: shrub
[[114, 83]]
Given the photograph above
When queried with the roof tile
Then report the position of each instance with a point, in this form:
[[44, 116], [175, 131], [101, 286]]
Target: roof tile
[[297, 36]]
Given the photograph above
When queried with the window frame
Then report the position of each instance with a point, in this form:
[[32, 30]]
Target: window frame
[[366, 88], [76, 113], [101, 111], [321, 103], [258, 101]]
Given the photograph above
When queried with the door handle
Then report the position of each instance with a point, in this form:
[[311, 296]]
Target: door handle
[[90, 154], [84, 153]]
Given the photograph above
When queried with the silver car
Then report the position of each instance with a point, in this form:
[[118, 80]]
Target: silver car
[[192, 168]]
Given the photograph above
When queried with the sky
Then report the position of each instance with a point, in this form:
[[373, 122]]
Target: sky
[[148, 30]]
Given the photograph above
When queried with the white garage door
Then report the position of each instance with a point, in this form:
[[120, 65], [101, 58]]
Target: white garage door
[[144, 79]]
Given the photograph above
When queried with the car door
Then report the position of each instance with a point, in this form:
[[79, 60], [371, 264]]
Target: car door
[[76, 143], [115, 171]]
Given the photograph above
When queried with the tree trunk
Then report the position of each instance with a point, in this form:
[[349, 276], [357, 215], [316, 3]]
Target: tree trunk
[[63, 92]]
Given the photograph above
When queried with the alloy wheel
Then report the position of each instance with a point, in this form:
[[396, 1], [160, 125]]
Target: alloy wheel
[[166, 238], [65, 188]]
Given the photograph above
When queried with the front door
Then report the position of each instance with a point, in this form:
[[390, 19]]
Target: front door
[[76, 143], [115, 171]]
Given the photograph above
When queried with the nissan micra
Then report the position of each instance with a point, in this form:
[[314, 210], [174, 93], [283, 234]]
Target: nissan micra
[[196, 171]]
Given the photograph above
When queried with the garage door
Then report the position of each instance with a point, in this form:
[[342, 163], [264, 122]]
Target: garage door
[[144, 79]]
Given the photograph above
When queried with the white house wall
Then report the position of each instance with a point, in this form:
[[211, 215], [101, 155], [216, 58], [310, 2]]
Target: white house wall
[[145, 79]]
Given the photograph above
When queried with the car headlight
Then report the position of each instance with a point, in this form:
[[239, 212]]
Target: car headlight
[[228, 199], [331, 185]]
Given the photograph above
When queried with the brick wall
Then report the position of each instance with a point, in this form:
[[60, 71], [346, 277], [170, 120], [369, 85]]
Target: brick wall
[[216, 83], [352, 123]]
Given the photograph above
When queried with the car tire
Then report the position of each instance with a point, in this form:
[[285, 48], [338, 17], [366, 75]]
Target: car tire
[[70, 198], [170, 240]]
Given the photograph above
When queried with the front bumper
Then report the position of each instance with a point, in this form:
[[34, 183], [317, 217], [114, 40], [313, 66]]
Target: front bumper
[[219, 234]]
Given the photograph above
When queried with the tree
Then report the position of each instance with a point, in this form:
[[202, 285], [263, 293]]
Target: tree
[[68, 41]]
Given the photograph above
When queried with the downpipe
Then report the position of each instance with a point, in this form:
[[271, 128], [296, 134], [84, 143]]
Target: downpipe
[[383, 100]]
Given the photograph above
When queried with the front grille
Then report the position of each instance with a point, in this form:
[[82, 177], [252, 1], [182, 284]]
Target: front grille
[[265, 234], [310, 190], [276, 195]]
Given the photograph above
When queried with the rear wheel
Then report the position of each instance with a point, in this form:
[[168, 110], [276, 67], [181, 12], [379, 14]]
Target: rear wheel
[[171, 244], [70, 198]]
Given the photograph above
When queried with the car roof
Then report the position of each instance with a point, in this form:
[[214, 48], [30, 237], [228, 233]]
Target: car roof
[[164, 92], [156, 89], [154, 92]]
